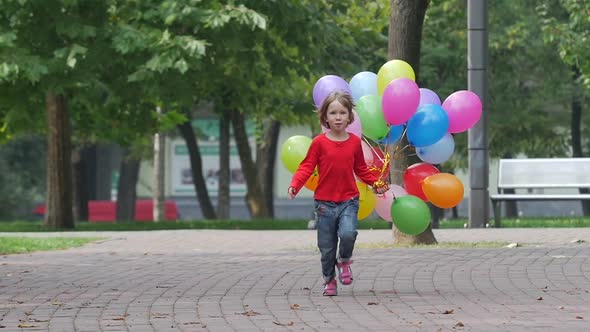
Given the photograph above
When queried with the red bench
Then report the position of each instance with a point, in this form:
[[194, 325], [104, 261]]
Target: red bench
[[106, 211]]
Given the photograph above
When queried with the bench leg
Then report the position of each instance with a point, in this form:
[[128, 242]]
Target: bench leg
[[497, 211]]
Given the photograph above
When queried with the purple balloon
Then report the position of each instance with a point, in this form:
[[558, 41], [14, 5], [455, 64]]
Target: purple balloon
[[428, 96], [463, 109], [400, 100], [326, 85]]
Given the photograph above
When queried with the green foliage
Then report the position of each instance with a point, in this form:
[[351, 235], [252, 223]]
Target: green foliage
[[528, 89], [22, 175], [566, 24]]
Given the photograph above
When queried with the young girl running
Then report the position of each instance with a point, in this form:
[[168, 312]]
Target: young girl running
[[338, 156]]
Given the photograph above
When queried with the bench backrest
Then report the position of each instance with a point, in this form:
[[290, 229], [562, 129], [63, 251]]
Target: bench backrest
[[544, 173]]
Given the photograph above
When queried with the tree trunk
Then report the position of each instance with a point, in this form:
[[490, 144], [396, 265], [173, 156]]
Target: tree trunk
[[405, 31], [405, 36], [59, 212], [78, 189], [223, 198], [84, 164], [265, 161], [186, 130], [126, 187], [159, 175], [576, 130], [254, 197]]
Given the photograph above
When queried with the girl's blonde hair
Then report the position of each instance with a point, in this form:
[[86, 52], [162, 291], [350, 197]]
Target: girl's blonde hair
[[344, 99]]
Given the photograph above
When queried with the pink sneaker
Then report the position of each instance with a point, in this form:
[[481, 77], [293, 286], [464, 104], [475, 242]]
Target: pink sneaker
[[344, 272], [331, 288]]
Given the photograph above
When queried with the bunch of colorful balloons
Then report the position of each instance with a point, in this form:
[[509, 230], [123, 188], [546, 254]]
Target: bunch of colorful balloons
[[389, 105]]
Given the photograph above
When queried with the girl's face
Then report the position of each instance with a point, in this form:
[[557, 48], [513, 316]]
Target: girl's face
[[337, 116]]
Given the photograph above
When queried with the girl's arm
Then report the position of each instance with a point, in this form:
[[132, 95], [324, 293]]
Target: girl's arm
[[305, 169], [362, 172]]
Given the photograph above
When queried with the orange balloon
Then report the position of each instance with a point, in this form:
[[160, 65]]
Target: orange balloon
[[443, 190], [312, 182]]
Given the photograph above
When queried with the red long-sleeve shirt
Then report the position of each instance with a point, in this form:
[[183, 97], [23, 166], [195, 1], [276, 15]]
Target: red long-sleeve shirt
[[337, 164]]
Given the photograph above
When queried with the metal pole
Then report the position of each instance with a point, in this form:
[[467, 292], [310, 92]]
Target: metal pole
[[477, 62]]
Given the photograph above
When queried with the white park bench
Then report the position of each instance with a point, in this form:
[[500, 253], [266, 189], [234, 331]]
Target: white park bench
[[540, 179]]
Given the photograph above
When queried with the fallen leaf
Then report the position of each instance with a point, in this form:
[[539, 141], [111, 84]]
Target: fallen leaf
[[250, 313], [295, 306], [460, 324], [372, 303], [448, 312], [25, 325]]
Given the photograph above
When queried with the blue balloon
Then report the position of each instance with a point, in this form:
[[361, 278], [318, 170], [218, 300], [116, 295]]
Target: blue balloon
[[428, 125], [363, 84], [438, 152], [395, 133]]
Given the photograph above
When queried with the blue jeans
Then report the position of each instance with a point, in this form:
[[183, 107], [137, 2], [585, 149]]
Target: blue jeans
[[336, 220]]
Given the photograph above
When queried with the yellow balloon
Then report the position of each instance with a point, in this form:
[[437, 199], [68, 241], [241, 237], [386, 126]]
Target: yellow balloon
[[366, 201], [391, 70]]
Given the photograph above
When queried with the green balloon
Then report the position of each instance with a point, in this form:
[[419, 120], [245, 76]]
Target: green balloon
[[373, 123], [294, 151], [410, 214]]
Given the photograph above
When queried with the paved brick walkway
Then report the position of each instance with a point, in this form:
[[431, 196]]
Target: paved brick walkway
[[269, 281]]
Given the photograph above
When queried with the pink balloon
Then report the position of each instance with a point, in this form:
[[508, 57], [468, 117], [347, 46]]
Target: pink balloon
[[400, 100], [367, 153], [464, 110], [383, 202], [354, 128]]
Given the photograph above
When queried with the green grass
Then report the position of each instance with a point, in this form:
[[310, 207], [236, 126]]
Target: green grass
[[23, 226], [36, 226], [526, 223], [20, 245]]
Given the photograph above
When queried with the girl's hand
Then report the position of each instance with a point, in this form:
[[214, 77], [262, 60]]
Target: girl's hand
[[382, 189], [291, 192]]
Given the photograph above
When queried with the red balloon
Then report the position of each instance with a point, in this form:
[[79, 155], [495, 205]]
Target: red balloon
[[415, 175]]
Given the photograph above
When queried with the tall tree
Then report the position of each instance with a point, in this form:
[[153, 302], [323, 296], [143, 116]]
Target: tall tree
[[565, 25], [405, 37], [49, 50]]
